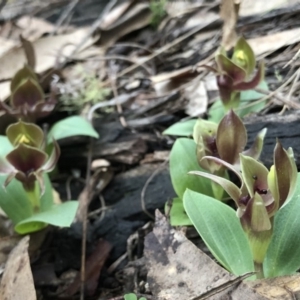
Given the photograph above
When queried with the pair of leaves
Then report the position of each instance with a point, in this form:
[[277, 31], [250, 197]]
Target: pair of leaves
[[14, 202], [132, 296], [220, 229], [183, 159]]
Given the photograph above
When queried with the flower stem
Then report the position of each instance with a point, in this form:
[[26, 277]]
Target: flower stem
[[34, 196], [259, 270]]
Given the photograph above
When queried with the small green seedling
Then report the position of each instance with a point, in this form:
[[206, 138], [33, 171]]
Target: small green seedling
[[132, 296]]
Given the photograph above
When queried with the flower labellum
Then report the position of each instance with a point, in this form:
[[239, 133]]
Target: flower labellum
[[27, 161]]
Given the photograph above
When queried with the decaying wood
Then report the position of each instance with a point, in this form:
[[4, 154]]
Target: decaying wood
[[284, 128]]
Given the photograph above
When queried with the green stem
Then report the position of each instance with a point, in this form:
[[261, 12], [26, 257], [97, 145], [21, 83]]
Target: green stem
[[259, 270], [34, 196]]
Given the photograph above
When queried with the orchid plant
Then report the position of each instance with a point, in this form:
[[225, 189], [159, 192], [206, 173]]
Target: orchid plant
[[225, 141], [233, 74], [260, 197], [236, 79], [262, 234], [27, 154], [26, 196]]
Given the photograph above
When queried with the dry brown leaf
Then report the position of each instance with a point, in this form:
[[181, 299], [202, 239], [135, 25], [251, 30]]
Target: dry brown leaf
[[34, 28], [197, 97], [135, 18], [6, 45], [47, 51], [156, 156], [165, 83], [17, 280], [7, 243], [4, 89], [252, 7], [186, 71], [267, 44], [115, 14], [229, 14]]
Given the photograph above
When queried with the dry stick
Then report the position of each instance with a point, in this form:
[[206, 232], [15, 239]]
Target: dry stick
[[132, 45], [222, 287], [271, 94], [293, 87], [143, 192], [292, 90], [118, 105], [293, 59], [89, 160], [88, 176]]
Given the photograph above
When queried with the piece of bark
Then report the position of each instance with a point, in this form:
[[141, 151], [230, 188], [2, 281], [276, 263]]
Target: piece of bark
[[178, 270], [17, 280], [284, 128]]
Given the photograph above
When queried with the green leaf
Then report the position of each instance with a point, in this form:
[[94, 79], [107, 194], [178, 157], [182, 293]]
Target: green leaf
[[14, 201], [183, 160], [217, 111], [6, 146], [283, 257], [71, 126], [178, 216], [130, 296], [220, 229], [181, 128], [61, 215]]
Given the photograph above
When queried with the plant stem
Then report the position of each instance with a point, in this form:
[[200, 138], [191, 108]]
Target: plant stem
[[259, 270], [34, 197]]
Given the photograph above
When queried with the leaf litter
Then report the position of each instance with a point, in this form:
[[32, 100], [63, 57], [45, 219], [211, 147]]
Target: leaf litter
[[155, 75]]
